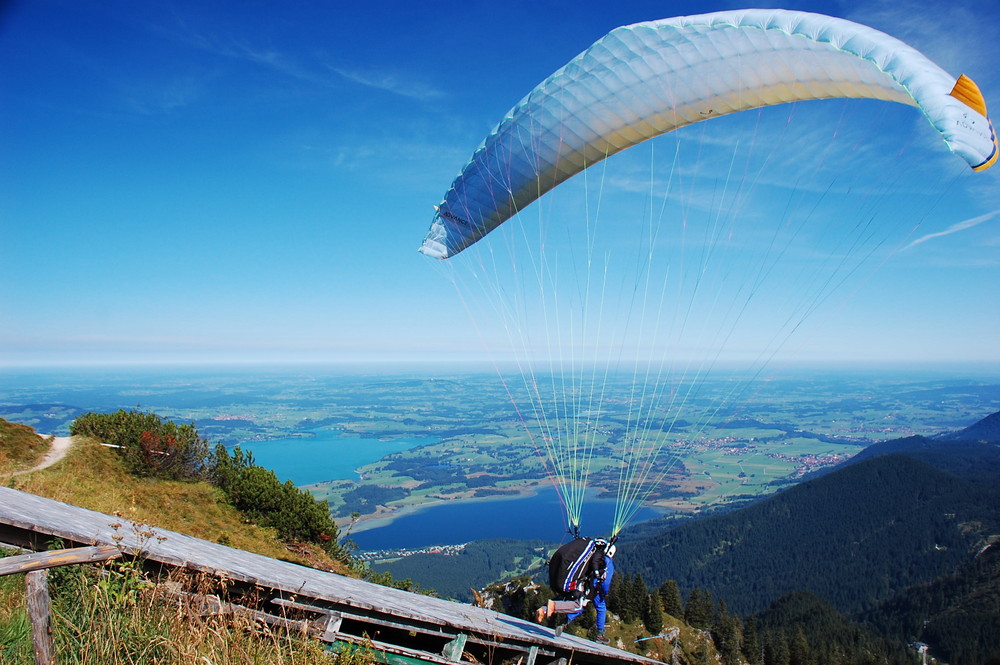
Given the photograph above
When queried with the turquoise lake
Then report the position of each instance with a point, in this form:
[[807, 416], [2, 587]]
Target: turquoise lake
[[326, 455], [538, 516], [330, 455]]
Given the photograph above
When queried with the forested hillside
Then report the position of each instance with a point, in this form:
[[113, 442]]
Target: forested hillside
[[854, 537], [958, 614], [972, 460], [803, 628], [851, 566]]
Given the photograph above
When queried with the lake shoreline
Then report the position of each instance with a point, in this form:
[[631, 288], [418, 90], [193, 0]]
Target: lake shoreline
[[536, 514], [378, 521]]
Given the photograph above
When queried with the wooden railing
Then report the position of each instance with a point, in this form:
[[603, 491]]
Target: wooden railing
[[35, 568]]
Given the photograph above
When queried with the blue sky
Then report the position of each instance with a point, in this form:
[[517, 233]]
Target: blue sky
[[250, 181]]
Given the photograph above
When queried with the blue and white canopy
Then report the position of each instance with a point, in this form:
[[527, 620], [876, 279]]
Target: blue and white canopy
[[649, 78]]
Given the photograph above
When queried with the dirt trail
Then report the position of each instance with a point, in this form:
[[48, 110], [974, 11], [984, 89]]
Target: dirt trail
[[57, 450]]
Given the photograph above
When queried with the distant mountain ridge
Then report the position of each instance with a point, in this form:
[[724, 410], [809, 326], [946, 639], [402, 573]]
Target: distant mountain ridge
[[986, 430]]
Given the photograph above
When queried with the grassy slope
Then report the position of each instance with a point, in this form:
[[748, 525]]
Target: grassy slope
[[20, 447], [93, 477]]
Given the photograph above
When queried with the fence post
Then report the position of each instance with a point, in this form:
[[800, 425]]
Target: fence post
[[36, 581], [37, 584]]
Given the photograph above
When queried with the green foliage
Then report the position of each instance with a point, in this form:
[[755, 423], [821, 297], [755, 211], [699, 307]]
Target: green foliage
[[801, 629], [365, 499], [15, 628], [386, 579], [355, 654], [855, 536], [617, 601], [153, 447], [752, 648], [150, 446], [670, 597], [727, 633], [798, 648], [112, 614], [699, 609], [957, 615], [628, 597], [652, 616], [15, 636], [776, 651], [257, 492], [518, 597]]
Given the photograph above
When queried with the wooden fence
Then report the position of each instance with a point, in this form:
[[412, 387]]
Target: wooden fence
[[404, 628], [35, 568]]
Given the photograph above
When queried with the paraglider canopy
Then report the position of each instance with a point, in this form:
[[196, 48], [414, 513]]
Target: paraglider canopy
[[615, 327], [649, 78]]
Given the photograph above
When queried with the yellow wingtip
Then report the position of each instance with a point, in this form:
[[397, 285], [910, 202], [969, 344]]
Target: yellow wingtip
[[967, 92]]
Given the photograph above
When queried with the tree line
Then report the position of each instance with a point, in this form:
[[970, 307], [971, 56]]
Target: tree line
[[156, 448], [798, 629], [855, 537]]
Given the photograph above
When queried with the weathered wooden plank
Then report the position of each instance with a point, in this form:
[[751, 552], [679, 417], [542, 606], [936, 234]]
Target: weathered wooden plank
[[212, 605], [330, 626], [37, 584], [24, 563], [436, 631], [29, 514], [431, 630]]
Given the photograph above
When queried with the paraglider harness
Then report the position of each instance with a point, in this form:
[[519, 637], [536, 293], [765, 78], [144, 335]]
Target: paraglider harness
[[576, 571]]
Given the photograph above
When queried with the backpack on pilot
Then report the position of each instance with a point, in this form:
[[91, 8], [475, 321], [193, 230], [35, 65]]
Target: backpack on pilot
[[578, 571]]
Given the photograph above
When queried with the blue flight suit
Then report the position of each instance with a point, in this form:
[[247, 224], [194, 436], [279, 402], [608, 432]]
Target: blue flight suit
[[601, 597]]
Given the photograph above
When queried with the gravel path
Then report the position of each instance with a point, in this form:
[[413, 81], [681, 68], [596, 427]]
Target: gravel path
[[57, 450]]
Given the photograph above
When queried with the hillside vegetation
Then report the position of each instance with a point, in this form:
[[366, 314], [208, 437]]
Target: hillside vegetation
[[900, 539], [854, 537], [959, 614], [99, 478], [110, 614], [20, 447]]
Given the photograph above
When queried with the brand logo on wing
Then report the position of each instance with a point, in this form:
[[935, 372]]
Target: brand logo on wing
[[454, 218]]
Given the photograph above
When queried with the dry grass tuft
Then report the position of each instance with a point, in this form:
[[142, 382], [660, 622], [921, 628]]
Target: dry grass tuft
[[20, 447], [114, 614]]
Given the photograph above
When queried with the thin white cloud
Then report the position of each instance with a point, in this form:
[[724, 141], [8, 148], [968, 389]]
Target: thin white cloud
[[315, 69], [955, 228], [390, 82]]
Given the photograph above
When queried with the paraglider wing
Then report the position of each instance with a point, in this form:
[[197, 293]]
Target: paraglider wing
[[649, 78]]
